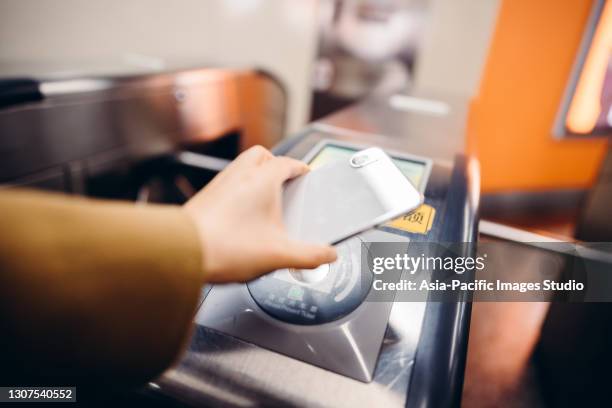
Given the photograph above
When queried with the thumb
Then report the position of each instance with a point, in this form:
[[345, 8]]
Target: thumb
[[303, 255]]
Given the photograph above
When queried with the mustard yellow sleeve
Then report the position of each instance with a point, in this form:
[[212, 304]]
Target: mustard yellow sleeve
[[91, 291]]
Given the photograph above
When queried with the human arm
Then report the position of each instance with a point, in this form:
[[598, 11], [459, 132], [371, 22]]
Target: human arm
[[95, 291]]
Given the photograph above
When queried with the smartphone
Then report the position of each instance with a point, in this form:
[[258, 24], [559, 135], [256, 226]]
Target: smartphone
[[346, 197]]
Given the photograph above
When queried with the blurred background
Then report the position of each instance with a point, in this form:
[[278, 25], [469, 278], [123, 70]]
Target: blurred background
[[338, 49], [220, 75], [147, 99]]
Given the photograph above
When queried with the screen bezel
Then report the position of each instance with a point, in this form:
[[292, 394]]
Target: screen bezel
[[559, 129]]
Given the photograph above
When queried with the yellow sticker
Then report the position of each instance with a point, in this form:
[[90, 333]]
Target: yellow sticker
[[418, 221]]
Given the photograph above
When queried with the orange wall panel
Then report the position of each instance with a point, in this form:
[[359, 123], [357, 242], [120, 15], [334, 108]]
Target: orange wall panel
[[510, 124]]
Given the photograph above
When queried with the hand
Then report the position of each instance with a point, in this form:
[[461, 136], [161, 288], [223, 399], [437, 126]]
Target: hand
[[239, 220]]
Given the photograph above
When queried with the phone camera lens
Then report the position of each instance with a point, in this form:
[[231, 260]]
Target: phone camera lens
[[359, 160]]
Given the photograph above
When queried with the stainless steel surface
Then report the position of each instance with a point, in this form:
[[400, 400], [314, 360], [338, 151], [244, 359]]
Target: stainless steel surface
[[347, 346], [201, 161], [507, 233], [86, 120], [431, 125]]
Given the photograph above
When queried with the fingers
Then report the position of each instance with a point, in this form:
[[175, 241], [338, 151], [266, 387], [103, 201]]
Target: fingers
[[245, 163], [285, 168], [279, 168], [302, 255], [254, 156]]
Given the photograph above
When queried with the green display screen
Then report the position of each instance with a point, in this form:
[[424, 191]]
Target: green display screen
[[413, 170]]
